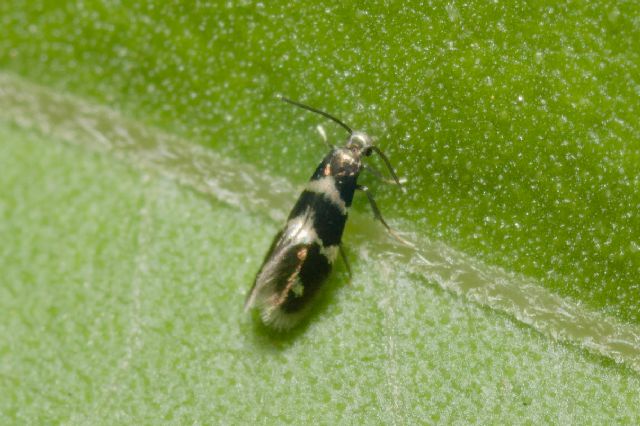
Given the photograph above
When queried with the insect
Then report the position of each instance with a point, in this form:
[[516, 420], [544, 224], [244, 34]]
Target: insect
[[303, 252]]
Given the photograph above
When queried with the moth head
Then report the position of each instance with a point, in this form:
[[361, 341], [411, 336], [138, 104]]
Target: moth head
[[360, 143]]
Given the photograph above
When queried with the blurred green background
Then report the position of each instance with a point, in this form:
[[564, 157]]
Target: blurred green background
[[515, 125]]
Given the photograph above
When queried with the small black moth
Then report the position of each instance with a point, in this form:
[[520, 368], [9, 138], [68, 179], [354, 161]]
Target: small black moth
[[302, 253]]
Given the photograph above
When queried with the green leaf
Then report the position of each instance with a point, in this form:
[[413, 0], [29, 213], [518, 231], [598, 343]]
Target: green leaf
[[128, 248]]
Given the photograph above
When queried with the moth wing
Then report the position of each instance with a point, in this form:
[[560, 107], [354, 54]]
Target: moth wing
[[280, 265]]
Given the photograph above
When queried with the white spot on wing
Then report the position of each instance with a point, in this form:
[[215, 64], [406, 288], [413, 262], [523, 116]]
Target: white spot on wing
[[330, 252], [327, 187], [297, 289], [299, 230]]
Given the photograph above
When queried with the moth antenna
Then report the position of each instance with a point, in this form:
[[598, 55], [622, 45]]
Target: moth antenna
[[388, 163], [317, 111]]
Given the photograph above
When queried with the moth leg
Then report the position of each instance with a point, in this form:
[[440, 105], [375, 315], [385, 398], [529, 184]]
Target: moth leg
[[374, 171], [323, 136], [378, 215], [345, 260]]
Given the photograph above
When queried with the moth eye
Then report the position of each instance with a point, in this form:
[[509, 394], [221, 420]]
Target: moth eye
[[367, 151]]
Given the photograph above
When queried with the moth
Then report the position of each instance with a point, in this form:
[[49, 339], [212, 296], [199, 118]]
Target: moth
[[302, 253]]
